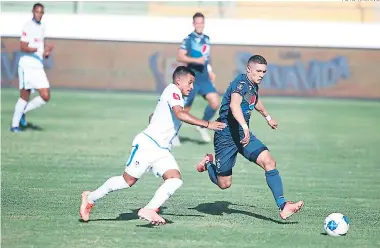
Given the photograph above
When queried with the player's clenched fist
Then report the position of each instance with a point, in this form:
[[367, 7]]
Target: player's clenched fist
[[215, 125]]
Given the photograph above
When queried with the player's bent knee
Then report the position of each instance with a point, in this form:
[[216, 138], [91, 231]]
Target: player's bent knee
[[45, 94], [224, 185], [45, 97], [270, 164], [130, 180], [171, 174], [213, 99], [224, 182]]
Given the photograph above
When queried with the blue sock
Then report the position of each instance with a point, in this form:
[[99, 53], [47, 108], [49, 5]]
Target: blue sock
[[209, 113], [275, 184], [211, 168]]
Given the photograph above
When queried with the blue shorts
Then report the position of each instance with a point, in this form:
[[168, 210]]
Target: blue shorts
[[202, 88], [226, 149]]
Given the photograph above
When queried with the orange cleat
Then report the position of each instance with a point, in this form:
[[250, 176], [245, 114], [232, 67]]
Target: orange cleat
[[290, 208], [201, 167], [85, 207], [151, 216]]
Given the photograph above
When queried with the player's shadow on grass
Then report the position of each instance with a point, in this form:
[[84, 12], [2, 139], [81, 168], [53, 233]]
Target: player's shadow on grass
[[220, 207], [133, 216], [31, 126], [191, 140]]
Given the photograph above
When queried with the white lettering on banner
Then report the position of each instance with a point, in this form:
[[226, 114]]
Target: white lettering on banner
[[221, 31]]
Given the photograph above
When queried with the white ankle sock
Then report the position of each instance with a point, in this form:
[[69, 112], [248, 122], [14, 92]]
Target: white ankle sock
[[164, 192], [19, 111], [112, 184]]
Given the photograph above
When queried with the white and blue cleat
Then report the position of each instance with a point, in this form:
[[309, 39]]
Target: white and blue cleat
[[15, 129]]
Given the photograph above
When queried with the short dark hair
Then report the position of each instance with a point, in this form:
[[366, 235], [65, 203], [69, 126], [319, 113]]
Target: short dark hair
[[198, 14], [257, 59], [38, 5], [181, 71]]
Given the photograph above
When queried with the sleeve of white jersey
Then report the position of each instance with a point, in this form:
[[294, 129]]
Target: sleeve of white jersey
[[174, 98], [25, 34]]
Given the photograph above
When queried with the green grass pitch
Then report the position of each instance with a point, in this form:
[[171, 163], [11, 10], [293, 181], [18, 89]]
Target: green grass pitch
[[327, 151]]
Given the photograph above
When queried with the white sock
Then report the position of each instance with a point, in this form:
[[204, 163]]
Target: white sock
[[112, 184], [19, 111], [164, 192], [34, 103]]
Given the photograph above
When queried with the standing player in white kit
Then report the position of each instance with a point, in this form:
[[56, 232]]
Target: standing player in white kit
[[151, 150], [31, 72]]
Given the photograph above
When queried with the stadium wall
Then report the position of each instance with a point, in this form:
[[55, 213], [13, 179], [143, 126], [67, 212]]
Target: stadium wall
[[86, 57]]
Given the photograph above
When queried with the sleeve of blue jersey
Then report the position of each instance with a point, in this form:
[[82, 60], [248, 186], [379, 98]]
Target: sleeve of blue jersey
[[239, 87], [186, 44]]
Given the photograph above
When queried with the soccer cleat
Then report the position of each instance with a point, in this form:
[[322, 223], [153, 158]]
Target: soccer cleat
[[204, 134], [290, 208], [23, 122], [15, 129], [201, 167], [85, 207], [151, 216]]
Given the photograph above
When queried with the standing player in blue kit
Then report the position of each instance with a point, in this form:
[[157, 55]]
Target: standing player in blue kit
[[195, 52]]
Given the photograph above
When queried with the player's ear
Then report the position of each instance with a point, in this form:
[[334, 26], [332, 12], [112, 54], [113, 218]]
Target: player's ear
[[176, 80]]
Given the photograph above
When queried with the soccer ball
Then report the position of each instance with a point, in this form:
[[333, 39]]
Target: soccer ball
[[336, 224]]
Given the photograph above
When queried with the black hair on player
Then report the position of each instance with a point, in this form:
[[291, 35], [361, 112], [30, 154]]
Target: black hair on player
[[198, 14], [257, 59], [181, 71], [36, 5]]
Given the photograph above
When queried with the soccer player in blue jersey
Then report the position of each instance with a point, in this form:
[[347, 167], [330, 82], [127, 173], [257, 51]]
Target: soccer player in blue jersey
[[195, 52], [240, 98]]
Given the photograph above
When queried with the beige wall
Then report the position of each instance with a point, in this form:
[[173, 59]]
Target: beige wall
[[147, 67]]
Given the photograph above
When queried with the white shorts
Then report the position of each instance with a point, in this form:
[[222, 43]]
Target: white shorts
[[32, 78], [147, 155]]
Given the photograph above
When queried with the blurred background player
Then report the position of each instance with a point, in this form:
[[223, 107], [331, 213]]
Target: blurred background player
[[151, 149], [240, 98], [195, 52], [31, 72]]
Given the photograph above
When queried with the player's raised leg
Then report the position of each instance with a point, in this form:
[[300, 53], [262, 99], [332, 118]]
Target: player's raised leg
[[274, 181], [220, 173], [38, 101]]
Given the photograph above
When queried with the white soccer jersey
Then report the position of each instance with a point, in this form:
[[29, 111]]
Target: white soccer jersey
[[34, 34], [164, 125]]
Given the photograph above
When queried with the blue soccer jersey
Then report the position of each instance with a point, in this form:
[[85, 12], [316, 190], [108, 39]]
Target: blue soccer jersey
[[198, 45], [249, 91]]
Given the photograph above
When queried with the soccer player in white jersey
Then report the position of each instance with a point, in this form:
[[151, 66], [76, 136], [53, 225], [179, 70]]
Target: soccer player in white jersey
[[151, 150], [31, 72]]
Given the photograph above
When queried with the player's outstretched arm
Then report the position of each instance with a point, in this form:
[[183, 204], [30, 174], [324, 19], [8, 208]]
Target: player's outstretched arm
[[261, 109], [184, 116], [236, 100]]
